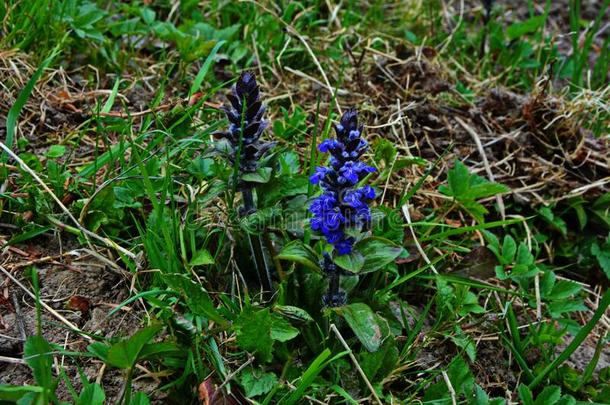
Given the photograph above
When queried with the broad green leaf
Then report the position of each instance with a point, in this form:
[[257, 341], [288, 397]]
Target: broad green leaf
[[139, 398], [257, 382], [365, 324], [253, 330], [528, 26], [509, 248], [37, 353], [13, 393], [525, 395], [201, 258], [377, 253], [261, 175], [125, 353], [55, 151], [458, 179], [564, 289], [92, 394], [351, 262], [297, 251], [524, 256], [549, 395], [282, 330], [100, 350]]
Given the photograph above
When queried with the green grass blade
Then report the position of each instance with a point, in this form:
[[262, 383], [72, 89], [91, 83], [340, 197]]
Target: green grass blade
[[576, 342], [204, 69], [24, 95]]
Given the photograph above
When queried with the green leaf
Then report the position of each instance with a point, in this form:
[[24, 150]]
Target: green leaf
[[13, 393], [525, 395], [100, 350], [295, 313], [366, 325], [602, 255], [353, 261], [201, 258], [92, 394], [139, 398], [282, 330], [564, 289], [196, 85], [297, 251], [519, 29], [196, 298], [125, 353], [509, 248], [37, 353], [309, 376], [524, 256], [55, 151], [458, 179], [257, 382], [24, 95], [377, 252], [549, 395], [261, 175], [253, 330]]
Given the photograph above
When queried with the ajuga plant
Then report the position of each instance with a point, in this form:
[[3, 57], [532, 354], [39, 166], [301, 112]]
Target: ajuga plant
[[343, 208], [244, 150], [245, 113]]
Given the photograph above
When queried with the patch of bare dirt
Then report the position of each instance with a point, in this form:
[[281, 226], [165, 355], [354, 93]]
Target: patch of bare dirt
[[81, 288]]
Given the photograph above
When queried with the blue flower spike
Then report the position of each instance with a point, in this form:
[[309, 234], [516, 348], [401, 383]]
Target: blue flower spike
[[342, 207]]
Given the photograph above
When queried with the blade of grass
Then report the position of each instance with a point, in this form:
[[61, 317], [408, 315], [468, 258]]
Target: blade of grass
[[24, 95], [204, 69], [576, 342]]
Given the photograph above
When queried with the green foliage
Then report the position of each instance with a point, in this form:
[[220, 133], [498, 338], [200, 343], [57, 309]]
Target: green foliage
[[466, 189], [258, 330]]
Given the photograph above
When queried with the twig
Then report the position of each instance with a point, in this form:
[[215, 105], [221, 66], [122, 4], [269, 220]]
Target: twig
[[351, 355], [405, 211], [234, 373], [12, 360], [449, 387], [44, 304], [85, 231]]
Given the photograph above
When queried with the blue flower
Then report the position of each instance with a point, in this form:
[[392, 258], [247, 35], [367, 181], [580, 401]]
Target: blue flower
[[342, 206]]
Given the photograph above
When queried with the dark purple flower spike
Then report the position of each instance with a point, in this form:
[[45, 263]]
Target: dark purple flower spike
[[245, 111]]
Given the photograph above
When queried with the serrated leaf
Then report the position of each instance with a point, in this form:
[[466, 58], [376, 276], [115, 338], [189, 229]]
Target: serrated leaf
[[297, 251], [564, 289], [253, 330]]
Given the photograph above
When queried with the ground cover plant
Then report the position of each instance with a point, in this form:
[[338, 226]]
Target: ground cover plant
[[304, 202]]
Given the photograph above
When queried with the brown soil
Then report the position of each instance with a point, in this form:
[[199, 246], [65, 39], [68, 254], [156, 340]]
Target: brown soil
[[83, 290]]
